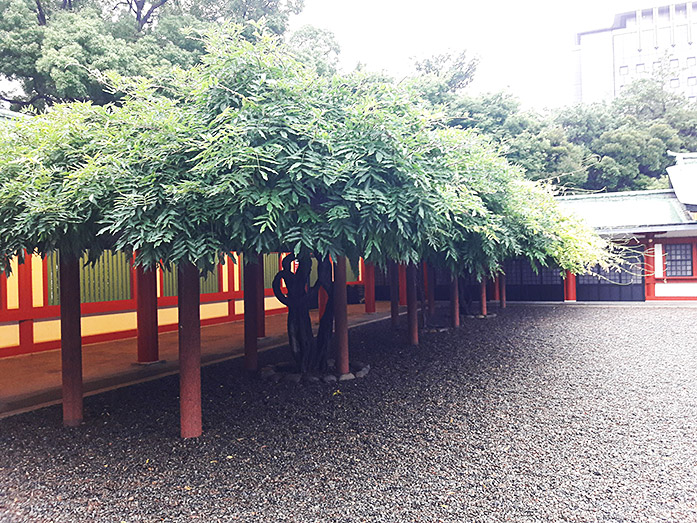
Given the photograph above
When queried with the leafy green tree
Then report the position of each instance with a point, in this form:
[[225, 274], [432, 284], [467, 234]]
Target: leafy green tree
[[527, 139], [56, 51], [441, 78], [50, 198], [317, 48], [629, 138]]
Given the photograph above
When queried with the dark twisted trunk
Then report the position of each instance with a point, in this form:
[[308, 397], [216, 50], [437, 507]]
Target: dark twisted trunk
[[310, 353]]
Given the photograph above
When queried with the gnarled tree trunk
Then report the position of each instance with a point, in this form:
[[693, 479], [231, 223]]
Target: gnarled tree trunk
[[310, 354]]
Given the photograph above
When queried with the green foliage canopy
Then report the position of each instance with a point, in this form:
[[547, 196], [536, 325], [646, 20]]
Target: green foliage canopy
[[251, 151]]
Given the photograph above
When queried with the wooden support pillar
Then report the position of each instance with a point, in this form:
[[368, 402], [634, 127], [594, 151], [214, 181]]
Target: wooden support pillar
[[189, 306], [497, 289], [412, 312], [26, 325], [430, 277], [71, 339], [251, 314], [570, 287], [146, 313], [482, 296], [369, 283], [502, 291], [454, 302], [341, 316], [393, 275], [261, 299], [402, 284]]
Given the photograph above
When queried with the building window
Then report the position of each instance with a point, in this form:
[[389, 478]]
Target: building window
[[680, 12], [692, 80], [691, 61], [678, 259], [657, 65], [640, 68], [664, 14], [624, 70], [674, 64], [675, 83]]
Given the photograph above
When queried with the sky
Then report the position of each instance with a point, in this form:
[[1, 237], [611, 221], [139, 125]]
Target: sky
[[523, 47]]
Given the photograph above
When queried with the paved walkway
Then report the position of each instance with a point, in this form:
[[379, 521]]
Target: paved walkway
[[31, 381]]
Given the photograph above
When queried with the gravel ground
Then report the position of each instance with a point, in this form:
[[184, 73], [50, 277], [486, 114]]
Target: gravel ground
[[539, 414]]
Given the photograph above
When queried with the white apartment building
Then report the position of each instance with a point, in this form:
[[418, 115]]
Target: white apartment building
[[638, 43]]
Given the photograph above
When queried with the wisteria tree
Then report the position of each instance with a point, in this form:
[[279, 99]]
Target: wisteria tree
[[251, 151]]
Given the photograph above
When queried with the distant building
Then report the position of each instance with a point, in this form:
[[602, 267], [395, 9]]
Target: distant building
[[638, 43]]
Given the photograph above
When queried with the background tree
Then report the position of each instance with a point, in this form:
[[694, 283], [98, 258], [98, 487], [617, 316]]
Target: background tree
[[317, 48], [56, 50]]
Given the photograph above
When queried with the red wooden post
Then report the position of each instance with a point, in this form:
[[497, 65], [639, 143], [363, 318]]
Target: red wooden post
[[369, 283], [231, 269], [341, 316], [251, 314], [189, 299], [454, 302], [482, 296], [430, 277], [502, 290], [570, 287], [393, 274], [71, 339], [412, 313], [26, 325], [146, 313], [497, 289], [402, 284], [261, 300]]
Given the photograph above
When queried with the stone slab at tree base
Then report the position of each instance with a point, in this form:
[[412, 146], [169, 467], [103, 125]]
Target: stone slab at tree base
[[287, 372], [148, 363]]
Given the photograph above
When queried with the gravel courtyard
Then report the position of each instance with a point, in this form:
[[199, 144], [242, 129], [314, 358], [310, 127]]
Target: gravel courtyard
[[539, 414]]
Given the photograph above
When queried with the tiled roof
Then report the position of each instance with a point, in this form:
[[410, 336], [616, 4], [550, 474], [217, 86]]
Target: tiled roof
[[623, 210]]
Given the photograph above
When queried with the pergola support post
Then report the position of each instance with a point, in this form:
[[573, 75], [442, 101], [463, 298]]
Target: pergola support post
[[261, 299], [341, 316], [502, 290], [146, 313], [393, 274], [251, 314], [71, 340], [402, 284], [412, 312], [189, 299], [454, 302], [369, 283], [482, 296], [430, 274], [570, 287]]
